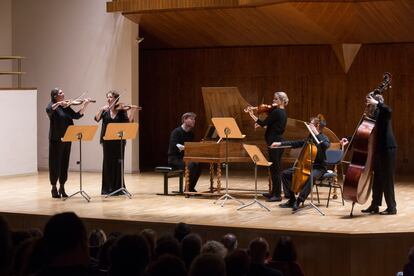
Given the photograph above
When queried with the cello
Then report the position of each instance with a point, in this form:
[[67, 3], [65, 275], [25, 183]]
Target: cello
[[303, 164], [359, 175]]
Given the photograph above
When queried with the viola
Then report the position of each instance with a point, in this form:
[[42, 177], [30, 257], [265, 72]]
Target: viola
[[358, 177]]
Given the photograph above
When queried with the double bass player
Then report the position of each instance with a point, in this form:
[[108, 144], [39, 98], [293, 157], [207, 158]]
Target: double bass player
[[384, 161]]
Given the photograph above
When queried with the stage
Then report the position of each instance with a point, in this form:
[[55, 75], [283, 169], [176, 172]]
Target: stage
[[327, 245]]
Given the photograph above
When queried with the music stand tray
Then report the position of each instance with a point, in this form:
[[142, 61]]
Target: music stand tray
[[121, 131], [79, 133], [227, 128], [259, 160]]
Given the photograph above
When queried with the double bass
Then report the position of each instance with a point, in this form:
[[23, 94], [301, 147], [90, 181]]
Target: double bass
[[359, 175]]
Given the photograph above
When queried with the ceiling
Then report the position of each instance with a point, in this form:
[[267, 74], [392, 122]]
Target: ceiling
[[225, 23]]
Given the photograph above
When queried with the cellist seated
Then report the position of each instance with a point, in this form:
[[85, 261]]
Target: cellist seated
[[296, 179]]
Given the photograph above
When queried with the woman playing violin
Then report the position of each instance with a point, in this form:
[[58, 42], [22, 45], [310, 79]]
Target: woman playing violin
[[61, 116], [275, 124], [112, 112]]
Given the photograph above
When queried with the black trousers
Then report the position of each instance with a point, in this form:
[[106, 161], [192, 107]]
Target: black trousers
[[275, 156], [383, 183], [287, 176], [59, 154], [193, 167]]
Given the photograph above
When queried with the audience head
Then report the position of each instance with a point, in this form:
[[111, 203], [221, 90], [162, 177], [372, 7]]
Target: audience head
[[150, 236], [129, 255], [181, 230], [167, 265], [258, 250], [65, 234], [214, 248], [237, 263], [190, 248], [207, 265], [230, 242], [285, 250], [167, 244], [96, 240], [103, 254]]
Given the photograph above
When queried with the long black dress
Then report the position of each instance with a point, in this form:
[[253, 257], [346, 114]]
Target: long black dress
[[111, 168]]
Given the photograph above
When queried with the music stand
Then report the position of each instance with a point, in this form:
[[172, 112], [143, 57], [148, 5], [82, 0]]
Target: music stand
[[79, 133], [312, 140], [259, 160], [227, 129], [121, 131]]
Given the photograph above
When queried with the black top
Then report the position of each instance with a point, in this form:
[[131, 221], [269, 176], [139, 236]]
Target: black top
[[385, 135], [120, 117], [276, 124], [60, 119], [178, 136], [320, 158]]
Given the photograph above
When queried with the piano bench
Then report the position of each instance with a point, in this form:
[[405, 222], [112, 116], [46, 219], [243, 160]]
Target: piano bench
[[169, 172]]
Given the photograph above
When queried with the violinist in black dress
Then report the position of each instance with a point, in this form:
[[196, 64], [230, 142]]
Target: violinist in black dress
[[275, 124], [112, 112], [61, 116]]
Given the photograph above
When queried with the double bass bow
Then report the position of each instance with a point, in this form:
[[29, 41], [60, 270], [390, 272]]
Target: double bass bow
[[359, 175]]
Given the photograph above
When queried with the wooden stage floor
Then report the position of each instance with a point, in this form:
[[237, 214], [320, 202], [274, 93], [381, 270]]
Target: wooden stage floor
[[31, 195], [334, 244]]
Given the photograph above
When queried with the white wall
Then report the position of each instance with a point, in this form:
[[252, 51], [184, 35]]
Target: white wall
[[78, 46], [18, 139], [5, 41]]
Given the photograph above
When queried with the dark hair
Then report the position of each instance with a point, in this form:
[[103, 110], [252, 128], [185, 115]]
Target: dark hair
[[129, 255], [285, 250], [181, 230], [229, 241], [64, 232], [320, 120], [55, 91]]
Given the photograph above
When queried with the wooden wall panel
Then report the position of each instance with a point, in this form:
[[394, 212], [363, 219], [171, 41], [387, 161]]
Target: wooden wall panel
[[171, 81]]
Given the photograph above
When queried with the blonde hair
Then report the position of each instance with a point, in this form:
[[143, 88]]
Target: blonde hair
[[283, 97]]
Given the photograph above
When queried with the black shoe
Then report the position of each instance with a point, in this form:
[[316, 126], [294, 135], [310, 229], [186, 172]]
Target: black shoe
[[296, 205], [62, 192], [54, 192], [389, 211], [288, 204], [267, 195], [372, 209], [274, 199]]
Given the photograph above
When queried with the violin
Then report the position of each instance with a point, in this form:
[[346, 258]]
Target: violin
[[126, 107], [262, 108], [70, 102]]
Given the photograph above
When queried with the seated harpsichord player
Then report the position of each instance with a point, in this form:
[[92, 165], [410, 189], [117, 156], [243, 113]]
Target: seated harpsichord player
[[318, 168], [180, 135]]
